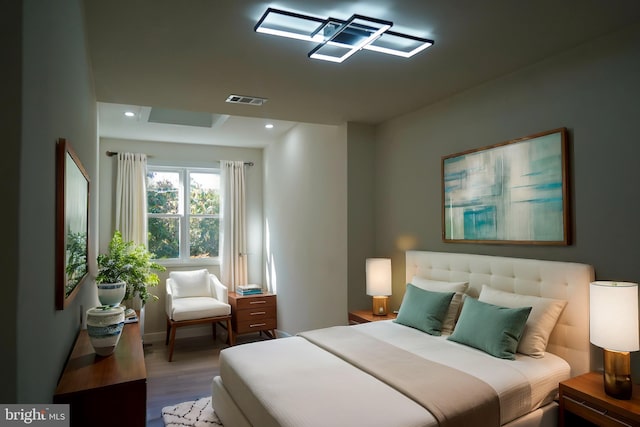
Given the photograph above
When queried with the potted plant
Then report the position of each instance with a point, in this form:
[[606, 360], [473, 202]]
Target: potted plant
[[129, 263]]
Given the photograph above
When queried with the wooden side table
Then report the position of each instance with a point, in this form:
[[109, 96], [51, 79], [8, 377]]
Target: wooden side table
[[583, 396], [254, 313], [364, 316], [91, 383]]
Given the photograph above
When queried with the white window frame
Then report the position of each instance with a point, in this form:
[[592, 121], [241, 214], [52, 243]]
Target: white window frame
[[184, 215]]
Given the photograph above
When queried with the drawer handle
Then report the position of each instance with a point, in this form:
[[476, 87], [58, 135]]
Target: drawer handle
[[257, 313], [255, 325], [257, 302], [582, 403]]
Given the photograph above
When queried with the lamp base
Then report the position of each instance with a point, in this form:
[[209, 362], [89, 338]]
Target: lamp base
[[617, 374], [380, 305]]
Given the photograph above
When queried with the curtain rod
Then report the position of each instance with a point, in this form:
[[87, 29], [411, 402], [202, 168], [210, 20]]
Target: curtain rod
[[115, 153]]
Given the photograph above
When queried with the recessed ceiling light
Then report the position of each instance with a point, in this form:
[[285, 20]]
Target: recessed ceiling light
[[269, 126], [130, 114]]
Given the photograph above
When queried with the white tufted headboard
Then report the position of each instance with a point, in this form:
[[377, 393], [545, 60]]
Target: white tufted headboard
[[550, 279]]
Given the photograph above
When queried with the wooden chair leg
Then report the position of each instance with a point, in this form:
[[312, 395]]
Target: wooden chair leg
[[166, 340], [230, 338], [172, 341], [215, 332]]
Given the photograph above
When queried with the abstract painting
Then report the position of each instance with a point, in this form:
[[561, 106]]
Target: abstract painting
[[514, 192]]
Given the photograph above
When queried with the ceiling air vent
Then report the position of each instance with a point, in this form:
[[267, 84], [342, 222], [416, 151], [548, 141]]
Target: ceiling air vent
[[246, 100]]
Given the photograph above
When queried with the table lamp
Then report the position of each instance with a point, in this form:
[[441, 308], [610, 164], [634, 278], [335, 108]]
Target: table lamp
[[614, 327], [379, 283]]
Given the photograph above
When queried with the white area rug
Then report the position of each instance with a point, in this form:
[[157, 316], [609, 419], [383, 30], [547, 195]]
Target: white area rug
[[196, 413]]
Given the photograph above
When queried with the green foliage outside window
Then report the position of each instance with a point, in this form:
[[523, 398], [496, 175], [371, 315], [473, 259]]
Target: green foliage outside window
[[163, 197]]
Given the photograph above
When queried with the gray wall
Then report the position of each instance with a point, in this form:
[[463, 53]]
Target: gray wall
[[10, 110], [592, 90], [306, 226], [57, 101], [361, 184]]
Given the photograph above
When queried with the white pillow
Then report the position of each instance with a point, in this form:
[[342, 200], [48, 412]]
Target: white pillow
[[190, 283], [542, 319], [454, 307]]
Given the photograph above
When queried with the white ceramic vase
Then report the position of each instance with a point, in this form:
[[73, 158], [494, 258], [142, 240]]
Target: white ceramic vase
[[104, 325], [111, 294]]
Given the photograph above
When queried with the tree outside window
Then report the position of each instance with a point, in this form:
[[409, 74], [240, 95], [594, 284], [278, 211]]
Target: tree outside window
[[183, 212]]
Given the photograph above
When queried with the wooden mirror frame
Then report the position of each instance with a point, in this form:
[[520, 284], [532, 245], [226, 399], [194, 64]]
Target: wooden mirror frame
[[69, 193]]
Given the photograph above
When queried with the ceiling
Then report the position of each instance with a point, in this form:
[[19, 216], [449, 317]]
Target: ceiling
[[191, 55]]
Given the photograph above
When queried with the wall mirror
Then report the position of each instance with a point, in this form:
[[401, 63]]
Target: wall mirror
[[72, 223]]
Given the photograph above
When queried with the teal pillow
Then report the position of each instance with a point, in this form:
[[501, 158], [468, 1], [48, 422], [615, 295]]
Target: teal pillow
[[493, 329], [424, 310]]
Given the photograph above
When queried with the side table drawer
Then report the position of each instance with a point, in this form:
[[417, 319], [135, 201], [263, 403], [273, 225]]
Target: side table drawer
[[256, 313], [256, 325], [594, 413], [256, 302]]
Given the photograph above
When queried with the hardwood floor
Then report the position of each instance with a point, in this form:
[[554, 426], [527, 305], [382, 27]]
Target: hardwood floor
[[189, 376]]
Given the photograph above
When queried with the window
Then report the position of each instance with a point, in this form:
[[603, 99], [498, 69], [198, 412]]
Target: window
[[183, 206]]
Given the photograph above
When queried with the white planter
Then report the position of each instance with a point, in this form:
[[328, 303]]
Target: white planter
[[111, 294], [104, 326]]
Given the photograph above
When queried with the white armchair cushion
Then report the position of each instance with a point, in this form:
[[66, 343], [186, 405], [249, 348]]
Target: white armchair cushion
[[198, 308], [186, 284]]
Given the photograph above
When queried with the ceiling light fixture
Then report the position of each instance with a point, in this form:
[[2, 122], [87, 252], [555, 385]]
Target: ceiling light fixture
[[129, 114], [268, 126], [339, 39]]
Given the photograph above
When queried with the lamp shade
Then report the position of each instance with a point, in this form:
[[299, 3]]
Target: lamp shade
[[378, 276], [614, 315]]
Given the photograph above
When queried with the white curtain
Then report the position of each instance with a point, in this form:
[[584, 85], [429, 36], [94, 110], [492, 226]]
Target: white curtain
[[131, 197], [233, 267]]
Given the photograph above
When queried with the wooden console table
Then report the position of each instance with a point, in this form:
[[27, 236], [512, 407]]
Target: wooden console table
[[106, 390]]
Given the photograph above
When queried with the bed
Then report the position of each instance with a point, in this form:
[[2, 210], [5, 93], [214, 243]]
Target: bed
[[397, 373]]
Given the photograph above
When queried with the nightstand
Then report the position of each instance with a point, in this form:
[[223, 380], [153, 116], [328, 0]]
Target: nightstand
[[364, 316], [584, 397], [253, 313]]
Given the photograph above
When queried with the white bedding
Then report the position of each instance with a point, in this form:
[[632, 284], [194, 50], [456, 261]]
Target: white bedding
[[522, 385], [291, 382]]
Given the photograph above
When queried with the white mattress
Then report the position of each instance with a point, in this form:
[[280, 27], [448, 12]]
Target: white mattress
[[291, 382]]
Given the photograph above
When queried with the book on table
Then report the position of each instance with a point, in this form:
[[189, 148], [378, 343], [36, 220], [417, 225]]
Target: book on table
[[248, 290]]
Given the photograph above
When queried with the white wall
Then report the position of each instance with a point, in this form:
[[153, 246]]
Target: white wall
[[183, 155], [306, 226], [593, 91]]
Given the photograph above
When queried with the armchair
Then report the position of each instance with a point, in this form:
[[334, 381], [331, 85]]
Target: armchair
[[195, 297]]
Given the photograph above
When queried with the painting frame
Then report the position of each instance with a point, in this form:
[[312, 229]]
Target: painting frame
[[514, 192], [72, 224]]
